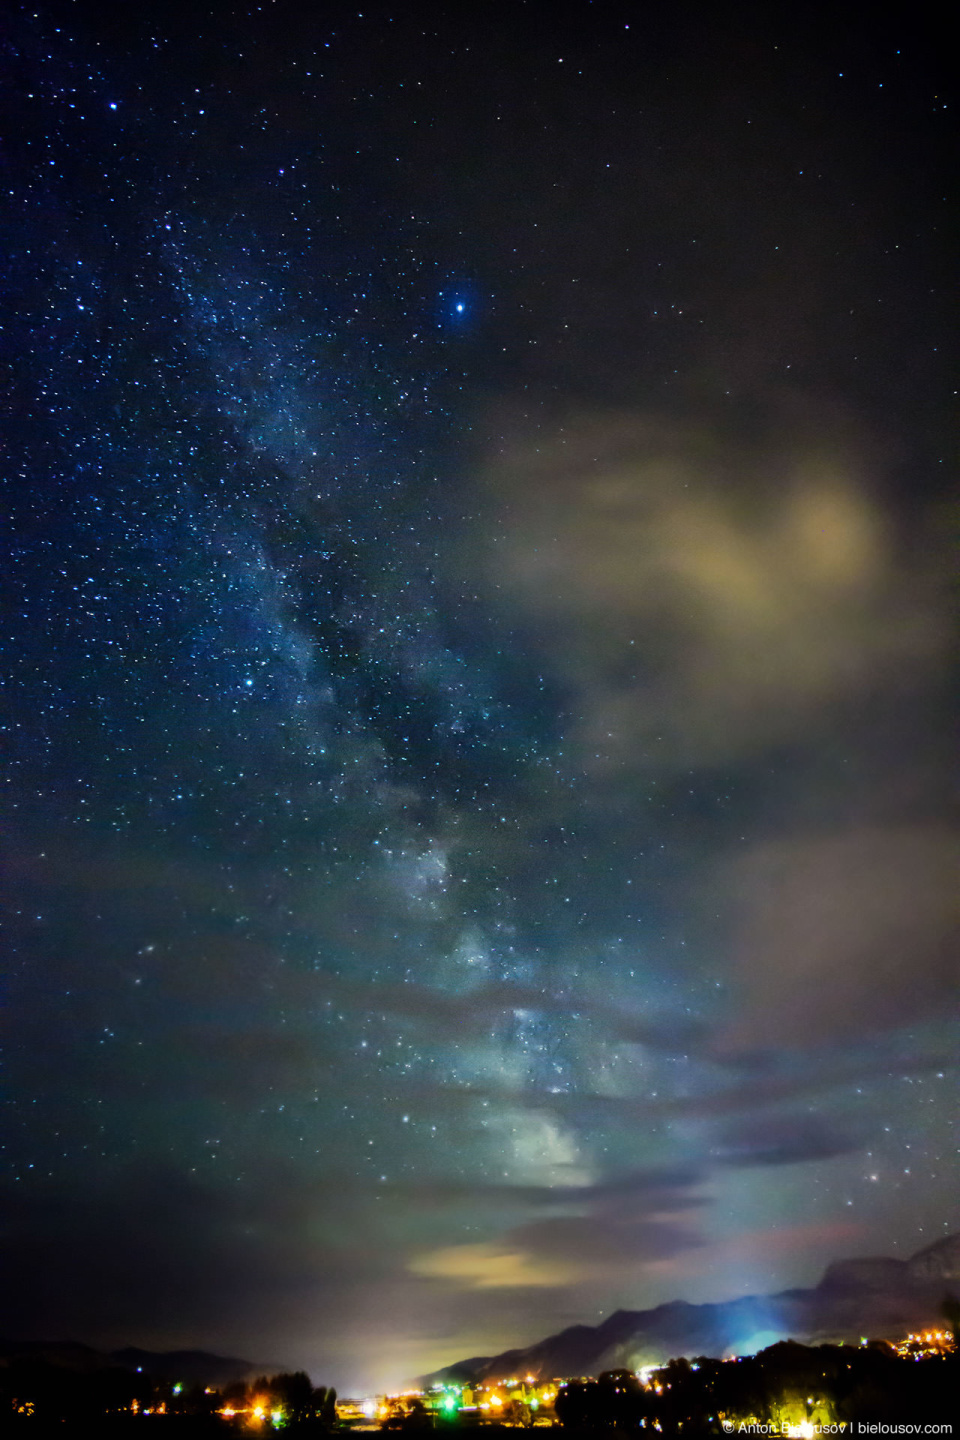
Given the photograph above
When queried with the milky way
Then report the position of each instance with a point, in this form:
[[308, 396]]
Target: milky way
[[475, 555]]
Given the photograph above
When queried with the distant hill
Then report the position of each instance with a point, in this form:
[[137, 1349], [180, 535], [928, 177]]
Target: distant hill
[[192, 1367], [876, 1297]]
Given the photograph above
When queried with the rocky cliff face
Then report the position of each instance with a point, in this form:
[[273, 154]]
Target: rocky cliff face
[[873, 1296], [869, 1273], [939, 1261]]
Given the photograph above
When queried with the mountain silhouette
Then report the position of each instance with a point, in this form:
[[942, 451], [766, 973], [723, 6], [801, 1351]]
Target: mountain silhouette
[[190, 1367], [876, 1297]]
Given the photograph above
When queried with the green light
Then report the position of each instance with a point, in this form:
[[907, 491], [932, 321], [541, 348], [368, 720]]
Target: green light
[[449, 1401]]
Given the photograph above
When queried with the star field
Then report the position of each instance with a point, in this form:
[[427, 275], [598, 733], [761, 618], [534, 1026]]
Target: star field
[[479, 844]]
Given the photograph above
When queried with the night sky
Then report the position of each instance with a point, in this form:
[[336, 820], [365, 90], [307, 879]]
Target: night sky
[[480, 848]]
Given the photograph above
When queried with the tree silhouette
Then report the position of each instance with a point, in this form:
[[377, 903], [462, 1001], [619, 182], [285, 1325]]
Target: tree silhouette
[[294, 1392]]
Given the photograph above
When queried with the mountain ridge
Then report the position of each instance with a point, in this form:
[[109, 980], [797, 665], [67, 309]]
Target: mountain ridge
[[192, 1367], [872, 1295]]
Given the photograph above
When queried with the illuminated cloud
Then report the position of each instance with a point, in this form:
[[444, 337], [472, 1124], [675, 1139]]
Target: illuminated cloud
[[583, 1233], [703, 597], [487, 1266]]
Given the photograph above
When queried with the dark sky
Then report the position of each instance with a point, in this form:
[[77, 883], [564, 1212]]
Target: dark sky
[[480, 841]]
